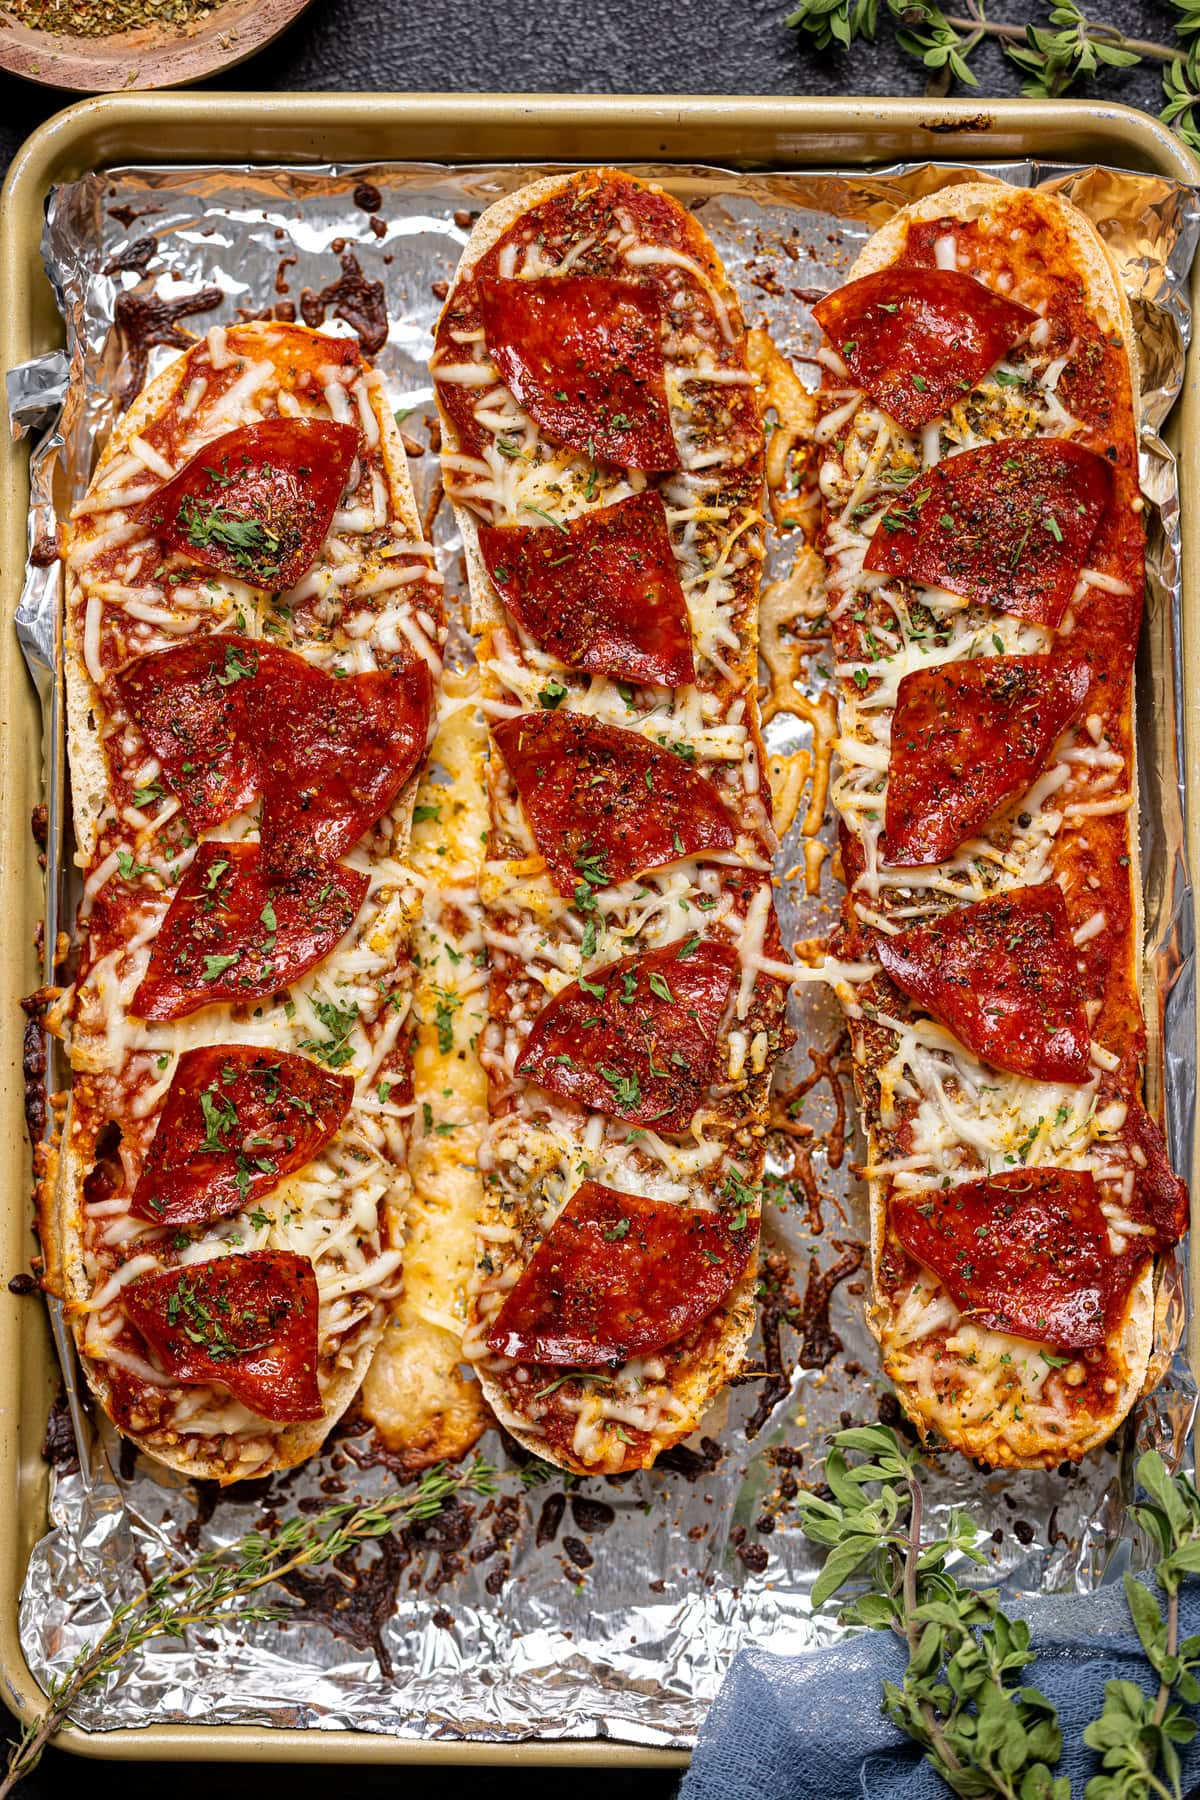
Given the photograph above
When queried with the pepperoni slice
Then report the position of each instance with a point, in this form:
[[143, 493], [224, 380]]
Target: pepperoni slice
[[258, 501], [583, 356], [1002, 976], [1010, 525], [248, 1322], [967, 736], [231, 934], [1160, 1198], [1025, 1251], [333, 754], [603, 804], [188, 702], [235, 1122], [230, 718], [617, 1276], [600, 592], [919, 339], [636, 1038]]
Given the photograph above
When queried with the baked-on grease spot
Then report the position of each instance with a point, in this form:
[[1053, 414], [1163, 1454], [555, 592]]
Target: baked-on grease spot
[[504, 1515], [681, 1459], [33, 1074], [549, 1519], [59, 1448], [591, 1515]]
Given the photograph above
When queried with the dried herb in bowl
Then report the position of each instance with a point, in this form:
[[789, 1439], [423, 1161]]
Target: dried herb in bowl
[[104, 18]]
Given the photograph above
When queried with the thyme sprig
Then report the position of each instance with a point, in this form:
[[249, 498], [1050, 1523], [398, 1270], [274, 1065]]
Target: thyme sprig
[[1054, 55], [218, 1588], [989, 1739]]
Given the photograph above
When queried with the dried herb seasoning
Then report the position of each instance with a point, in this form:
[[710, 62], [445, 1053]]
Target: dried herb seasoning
[[104, 18]]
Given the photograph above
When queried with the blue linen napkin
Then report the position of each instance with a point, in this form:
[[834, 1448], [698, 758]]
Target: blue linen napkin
[[809, 1727]]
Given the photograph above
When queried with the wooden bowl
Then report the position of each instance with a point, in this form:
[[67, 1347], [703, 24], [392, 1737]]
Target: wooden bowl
[[153, 56]]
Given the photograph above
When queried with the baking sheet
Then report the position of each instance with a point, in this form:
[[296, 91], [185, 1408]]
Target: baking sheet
[[621, 1621]]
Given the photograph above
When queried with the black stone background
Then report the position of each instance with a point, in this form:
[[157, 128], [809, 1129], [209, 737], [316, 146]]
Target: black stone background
[[542, 46]]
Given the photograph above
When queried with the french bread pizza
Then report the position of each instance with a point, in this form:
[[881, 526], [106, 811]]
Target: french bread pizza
[[253, 638], [983, 535], [603, 448]]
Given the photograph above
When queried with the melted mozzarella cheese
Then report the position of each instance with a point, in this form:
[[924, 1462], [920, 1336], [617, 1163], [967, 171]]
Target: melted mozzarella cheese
[[415, 1392]]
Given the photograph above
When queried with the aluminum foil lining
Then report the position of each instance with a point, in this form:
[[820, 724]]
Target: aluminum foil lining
[[607, 1608]]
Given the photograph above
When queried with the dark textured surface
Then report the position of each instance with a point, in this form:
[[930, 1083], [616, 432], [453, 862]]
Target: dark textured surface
[[602, 46], [553, 46]]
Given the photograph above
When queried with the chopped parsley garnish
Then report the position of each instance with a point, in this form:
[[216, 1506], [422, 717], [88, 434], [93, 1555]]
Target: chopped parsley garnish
[[237, 668], [446, 1004], [215, 966], [626, 1090], [335, 1051], [245, 539], [130, 870], [220, 1117]]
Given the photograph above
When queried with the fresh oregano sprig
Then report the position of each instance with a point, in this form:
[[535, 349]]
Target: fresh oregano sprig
[[218, 1588], [983, 1737], [1065, 47], [987, 1739], [1137, 1733]]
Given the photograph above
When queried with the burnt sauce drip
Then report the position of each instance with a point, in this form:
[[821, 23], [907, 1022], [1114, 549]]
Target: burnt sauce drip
[[144, 320], [504, 1516], [591, 1515], [794, 1141], [819, 1343], [356, 1596], [780, 1305], [357, 301], [136, 256]]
